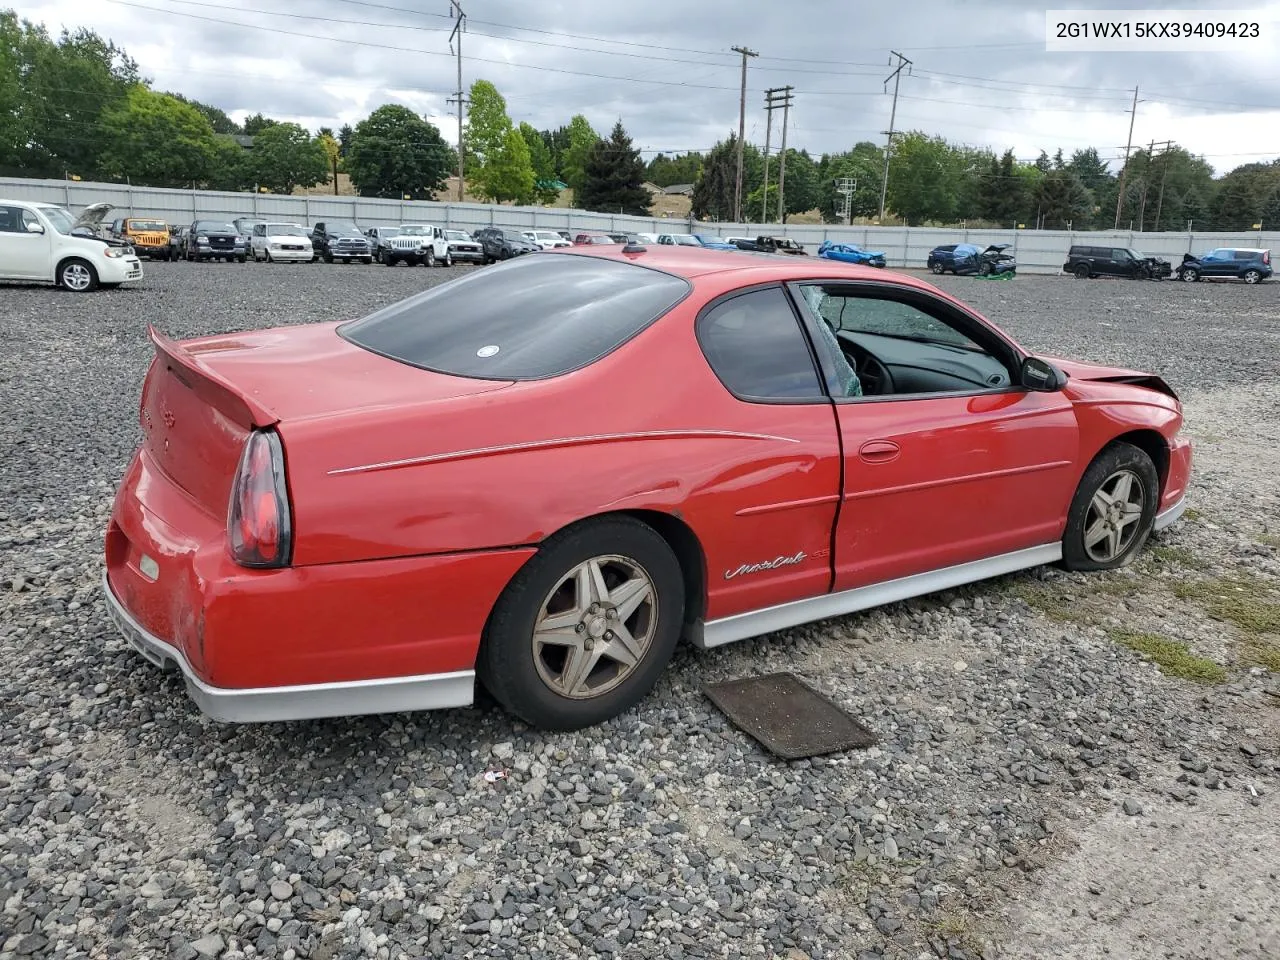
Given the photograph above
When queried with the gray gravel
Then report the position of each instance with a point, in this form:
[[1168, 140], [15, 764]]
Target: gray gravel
[[130, 826]]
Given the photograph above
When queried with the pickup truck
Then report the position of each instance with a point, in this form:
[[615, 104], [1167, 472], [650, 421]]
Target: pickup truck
[[771, 245]]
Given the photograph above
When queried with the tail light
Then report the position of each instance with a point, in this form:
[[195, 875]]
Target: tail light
[[259, 525], [1266, 257]]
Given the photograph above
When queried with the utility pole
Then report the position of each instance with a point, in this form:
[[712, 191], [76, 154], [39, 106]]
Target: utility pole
[[893, 114], [1133, 113], [782, 156], [458, 29], [773, 98], [742, 132], [1164, 172]]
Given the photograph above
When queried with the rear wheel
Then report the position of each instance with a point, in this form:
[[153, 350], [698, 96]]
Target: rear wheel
[[1252, 276], [1081, 271], [584, 630], [936, 268], [78, 275], [1112, 513]]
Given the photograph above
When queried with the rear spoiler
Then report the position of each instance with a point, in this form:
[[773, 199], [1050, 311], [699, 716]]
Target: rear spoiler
[[212, 388]]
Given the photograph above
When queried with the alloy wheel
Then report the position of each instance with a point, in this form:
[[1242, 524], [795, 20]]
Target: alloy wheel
[[595, 627], [76, 277], [1252, 276], [1111, 522]]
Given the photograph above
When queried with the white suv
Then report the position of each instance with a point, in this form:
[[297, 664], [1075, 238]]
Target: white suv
[[423, 243], [546, 239], [44, 243]]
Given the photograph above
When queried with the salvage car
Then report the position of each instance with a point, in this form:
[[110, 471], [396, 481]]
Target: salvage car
[[215, 240], [463, 248], [1086, 261], [799, 439], [45, 243], [851, 253], [1250, 264], [969, 258]]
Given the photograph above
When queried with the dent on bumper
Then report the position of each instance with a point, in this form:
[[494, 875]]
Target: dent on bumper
[[301, 702]]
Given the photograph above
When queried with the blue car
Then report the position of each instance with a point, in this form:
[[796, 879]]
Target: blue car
[[713, 242], [1250, 264], [850, 253], [964, 258]]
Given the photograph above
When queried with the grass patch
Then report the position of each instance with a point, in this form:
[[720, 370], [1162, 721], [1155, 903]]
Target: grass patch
[[1080, 605], [1175, 556], [1270, 539], [956, 928], [1264, 654], [1243, 600], [1191, 513], [1173, 658]]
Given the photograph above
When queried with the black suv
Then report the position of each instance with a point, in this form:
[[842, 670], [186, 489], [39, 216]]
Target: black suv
[[340, 240], [1088, 261], [501, 243]]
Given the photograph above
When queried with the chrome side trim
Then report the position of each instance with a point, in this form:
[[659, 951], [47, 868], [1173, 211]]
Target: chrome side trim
[[432, 691], [756, 622], [1170, 514], [561, 442]]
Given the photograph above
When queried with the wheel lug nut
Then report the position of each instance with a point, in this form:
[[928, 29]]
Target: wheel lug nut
[[609, 635], [581, 628]]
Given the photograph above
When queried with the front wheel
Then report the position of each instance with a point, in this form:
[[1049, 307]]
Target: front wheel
[[1189, 275], [1114, 508], [78, 276], [986, 269], [448, 259], [583, 631], [429, 258]]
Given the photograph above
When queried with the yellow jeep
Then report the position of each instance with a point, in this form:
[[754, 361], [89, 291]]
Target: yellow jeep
[[149, 236]]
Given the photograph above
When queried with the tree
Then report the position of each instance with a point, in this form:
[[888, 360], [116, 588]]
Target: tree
[[713, 192], [64, 90], [863, 164], [540, 160], [613, 177], [217, 116], [681, 168], [154, 139], [11, 139], [508, 174], [332, 151], [344, 138], [487, 124], [285, 156], [924, 179], [230, 165], [256, 124], [394, 152], [581, 138]]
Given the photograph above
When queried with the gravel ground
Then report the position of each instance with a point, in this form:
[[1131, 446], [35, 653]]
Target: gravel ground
[[1039, 790]]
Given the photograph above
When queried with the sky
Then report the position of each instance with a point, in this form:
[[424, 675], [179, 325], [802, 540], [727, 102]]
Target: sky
[[980, 73]]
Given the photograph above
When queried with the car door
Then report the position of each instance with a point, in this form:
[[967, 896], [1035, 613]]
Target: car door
[[946, 459], [1216, 263], [24, 255], [769, 532]]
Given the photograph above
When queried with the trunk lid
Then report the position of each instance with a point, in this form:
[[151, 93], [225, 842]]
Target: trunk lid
[[202, 397]]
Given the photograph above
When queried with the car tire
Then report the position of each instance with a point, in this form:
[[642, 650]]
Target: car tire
[[240, 259], [937, 268], [1117, 500], [1252, 276], [1081, 271], [1189, 275], [448, 260], [429, 258], [78, 276], [530, 678]]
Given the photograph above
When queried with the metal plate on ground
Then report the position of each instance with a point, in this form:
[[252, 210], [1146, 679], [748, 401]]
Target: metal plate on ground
[[787, 716]]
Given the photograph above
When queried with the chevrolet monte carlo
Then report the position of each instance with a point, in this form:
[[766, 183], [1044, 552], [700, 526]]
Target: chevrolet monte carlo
[[544, 475]]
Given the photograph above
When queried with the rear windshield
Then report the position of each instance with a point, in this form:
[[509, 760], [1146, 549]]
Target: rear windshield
[[526, 319]]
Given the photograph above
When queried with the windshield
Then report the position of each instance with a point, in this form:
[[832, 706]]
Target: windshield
[[212, 226], [413, 230], [147, 225], [685, 241], [530, 318], [1135, 255], [61, 219], [456, 235], [343, 227], [285, 230]]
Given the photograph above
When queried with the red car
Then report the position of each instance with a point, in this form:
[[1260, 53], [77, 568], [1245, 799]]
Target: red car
[[590, 239], [544, 475]]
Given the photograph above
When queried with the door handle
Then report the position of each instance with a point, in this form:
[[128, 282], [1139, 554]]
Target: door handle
[[879, 451]]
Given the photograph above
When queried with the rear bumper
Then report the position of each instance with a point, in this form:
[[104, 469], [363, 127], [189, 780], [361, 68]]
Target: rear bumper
[[295, 702], [332, 639]]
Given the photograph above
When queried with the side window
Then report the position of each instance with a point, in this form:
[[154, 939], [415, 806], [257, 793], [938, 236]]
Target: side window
[[11, 220], [1120, 254], [900, 349], [757, 348]]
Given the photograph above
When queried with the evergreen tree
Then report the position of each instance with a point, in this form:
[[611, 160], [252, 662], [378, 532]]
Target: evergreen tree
[[613, 175]]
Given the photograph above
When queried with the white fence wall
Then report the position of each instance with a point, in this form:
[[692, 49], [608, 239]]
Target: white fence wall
[[1038, 251]]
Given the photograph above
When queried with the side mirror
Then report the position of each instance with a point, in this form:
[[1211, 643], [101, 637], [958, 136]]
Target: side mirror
[[1037, 374], [35, 227]]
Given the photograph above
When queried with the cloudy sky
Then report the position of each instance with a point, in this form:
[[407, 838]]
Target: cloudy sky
[[980, 71]]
